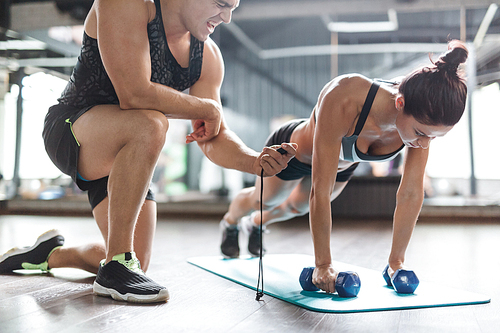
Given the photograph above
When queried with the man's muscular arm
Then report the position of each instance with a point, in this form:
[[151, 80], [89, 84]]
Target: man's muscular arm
[[227, 149], [120, 27]]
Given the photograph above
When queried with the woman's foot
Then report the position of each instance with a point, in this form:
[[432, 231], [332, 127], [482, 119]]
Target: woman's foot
[[229, 245], [253, 231]]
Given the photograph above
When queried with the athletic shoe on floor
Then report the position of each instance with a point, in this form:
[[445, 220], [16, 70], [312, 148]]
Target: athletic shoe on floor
[[34, 257], [229, 245], [123, 279], [253, 231]]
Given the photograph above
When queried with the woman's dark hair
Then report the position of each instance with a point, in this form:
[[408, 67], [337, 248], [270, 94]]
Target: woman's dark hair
[[436, 95]]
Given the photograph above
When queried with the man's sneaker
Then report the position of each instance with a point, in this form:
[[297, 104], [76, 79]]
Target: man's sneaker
[[229, 245], [34, 257], [123, 279], [253, 231]]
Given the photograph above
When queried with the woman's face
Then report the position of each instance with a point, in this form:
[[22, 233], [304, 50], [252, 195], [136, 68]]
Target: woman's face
[[418, 135], [201, 17]]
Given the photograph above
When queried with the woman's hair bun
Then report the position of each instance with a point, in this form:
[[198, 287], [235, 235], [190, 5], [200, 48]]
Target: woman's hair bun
[[457, 54], [436, 95]]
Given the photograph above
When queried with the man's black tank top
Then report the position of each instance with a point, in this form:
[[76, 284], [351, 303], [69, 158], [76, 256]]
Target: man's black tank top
[[90, 85]]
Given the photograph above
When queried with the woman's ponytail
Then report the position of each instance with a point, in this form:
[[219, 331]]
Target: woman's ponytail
[[436, 95], [457, 54]]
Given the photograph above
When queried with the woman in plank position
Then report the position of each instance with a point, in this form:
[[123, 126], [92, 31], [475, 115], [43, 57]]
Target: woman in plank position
[[355, 120]]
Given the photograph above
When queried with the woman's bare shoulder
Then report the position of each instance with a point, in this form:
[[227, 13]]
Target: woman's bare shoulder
[[346, 89], [353, 81]]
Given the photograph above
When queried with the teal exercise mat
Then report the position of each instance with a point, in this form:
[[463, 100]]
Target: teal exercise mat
[[281, 280]]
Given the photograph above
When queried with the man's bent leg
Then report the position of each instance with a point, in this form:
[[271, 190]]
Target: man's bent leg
[[124, 144], [127, 149]]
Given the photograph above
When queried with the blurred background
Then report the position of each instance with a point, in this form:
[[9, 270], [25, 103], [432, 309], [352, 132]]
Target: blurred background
[[278, 56]]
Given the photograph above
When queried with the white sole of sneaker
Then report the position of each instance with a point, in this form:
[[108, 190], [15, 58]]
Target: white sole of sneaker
[[162, 296], [42, 238]]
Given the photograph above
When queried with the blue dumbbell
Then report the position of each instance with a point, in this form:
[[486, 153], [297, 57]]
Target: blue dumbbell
[[346, 285], [403, 281]]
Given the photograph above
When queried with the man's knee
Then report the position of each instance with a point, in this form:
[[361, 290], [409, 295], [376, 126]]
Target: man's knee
[[156, 123], [152, 130]]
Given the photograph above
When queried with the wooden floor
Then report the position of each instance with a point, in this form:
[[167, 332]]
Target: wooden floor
[[464, 256]]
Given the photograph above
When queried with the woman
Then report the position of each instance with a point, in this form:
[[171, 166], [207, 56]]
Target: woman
[[355, 120]]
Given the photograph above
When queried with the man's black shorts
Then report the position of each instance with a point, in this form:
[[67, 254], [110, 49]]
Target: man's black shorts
[[63, 149]]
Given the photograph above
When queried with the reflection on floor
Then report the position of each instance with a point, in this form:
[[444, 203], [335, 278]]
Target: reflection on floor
[[460, 255]]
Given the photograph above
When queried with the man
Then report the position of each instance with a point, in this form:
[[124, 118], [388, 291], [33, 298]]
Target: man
[[109, 128]]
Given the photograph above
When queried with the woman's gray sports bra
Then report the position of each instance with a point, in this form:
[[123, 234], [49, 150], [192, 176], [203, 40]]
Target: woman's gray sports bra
[[349, 150]]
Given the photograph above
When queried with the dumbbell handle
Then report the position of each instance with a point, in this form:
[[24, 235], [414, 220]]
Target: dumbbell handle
[[347, 283]]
